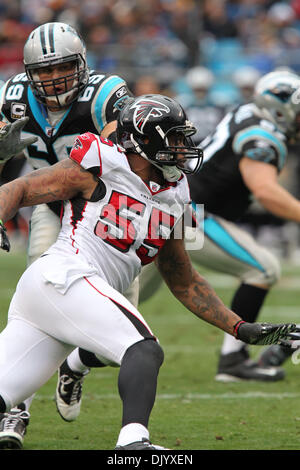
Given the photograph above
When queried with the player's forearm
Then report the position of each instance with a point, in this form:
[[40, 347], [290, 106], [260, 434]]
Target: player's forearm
[[11, 196], [277, 200], [57, 183], [201, 299], [109, 130], [193, 291]]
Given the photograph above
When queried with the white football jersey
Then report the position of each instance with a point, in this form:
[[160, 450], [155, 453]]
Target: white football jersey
[[126, 222]]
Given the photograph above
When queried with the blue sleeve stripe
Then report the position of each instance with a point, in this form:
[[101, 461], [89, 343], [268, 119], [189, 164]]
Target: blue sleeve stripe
[[104, 93], [2, 88], [258, 133], [2, 93], [215, 232]]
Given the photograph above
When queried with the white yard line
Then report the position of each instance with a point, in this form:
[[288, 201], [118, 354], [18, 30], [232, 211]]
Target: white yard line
[[193, 396]]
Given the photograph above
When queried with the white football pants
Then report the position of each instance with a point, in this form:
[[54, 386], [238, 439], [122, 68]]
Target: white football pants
[[44, 326], [44, 229]]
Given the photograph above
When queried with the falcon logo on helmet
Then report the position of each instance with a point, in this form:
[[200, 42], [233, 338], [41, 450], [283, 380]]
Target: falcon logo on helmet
[[156, 128], [146, 108]]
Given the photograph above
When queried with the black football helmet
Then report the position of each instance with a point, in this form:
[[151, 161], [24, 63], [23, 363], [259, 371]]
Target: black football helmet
[[156, 127]]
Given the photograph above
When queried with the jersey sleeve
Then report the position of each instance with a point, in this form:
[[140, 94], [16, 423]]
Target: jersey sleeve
[[109, 100], [95, 154], [261, 144], [86, 152]]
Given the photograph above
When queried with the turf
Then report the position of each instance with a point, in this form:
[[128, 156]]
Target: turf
[[192, 411]]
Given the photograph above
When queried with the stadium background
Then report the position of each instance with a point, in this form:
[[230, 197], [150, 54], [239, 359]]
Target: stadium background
[[155, 45]]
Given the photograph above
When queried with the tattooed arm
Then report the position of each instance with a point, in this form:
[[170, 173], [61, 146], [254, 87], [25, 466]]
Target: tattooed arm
[[191, 289], [60, 182], [197, 295]]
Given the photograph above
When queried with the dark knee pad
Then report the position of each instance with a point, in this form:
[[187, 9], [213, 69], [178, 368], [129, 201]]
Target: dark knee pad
[[146, 350]]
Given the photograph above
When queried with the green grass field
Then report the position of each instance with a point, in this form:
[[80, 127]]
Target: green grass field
[[192, 411]]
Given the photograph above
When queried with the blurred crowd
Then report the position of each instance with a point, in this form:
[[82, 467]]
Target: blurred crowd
[[207, 53], [164, 37]]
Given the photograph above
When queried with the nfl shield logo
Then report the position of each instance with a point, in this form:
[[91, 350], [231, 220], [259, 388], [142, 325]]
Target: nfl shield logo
[[154, 186]]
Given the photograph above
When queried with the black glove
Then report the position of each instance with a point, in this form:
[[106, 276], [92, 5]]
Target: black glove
[[267, 333], [4, 241]]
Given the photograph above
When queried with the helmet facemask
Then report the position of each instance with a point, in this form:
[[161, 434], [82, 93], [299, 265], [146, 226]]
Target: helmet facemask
[[171, 152], [77, 79], [179, 150], [53, 45], [156, 128]]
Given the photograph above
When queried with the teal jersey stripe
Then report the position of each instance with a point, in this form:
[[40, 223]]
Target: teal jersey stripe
[[259, 133], [223, 239], [2, 89], [103, 95], [36, 110]]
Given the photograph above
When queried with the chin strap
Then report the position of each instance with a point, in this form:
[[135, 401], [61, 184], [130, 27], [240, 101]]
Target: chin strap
[[170, 173]]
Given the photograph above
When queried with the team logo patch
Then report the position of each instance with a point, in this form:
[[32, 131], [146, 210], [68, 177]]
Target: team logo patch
[[121, 92], [144, 109], [50, 131], [78, 144], [154, 186]]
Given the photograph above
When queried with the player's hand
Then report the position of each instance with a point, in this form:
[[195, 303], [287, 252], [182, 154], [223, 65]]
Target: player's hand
[[4, 241], [267, 333], [10, 139]]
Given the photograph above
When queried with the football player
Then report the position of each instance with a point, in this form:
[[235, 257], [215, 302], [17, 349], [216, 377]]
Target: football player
[[45, 109], [117, 202], [242, 160]]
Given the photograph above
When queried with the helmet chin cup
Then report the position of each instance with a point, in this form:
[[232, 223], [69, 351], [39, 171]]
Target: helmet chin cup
[[171, 173], [61, 100]]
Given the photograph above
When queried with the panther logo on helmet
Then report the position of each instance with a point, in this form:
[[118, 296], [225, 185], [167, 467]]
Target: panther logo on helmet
[[146, 108]]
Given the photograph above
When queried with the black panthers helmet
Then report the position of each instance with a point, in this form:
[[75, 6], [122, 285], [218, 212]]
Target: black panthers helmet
[[145, 126]]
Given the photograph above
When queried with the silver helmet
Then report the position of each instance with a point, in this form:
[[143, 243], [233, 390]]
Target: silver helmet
[[53, 44], [277, 94]]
